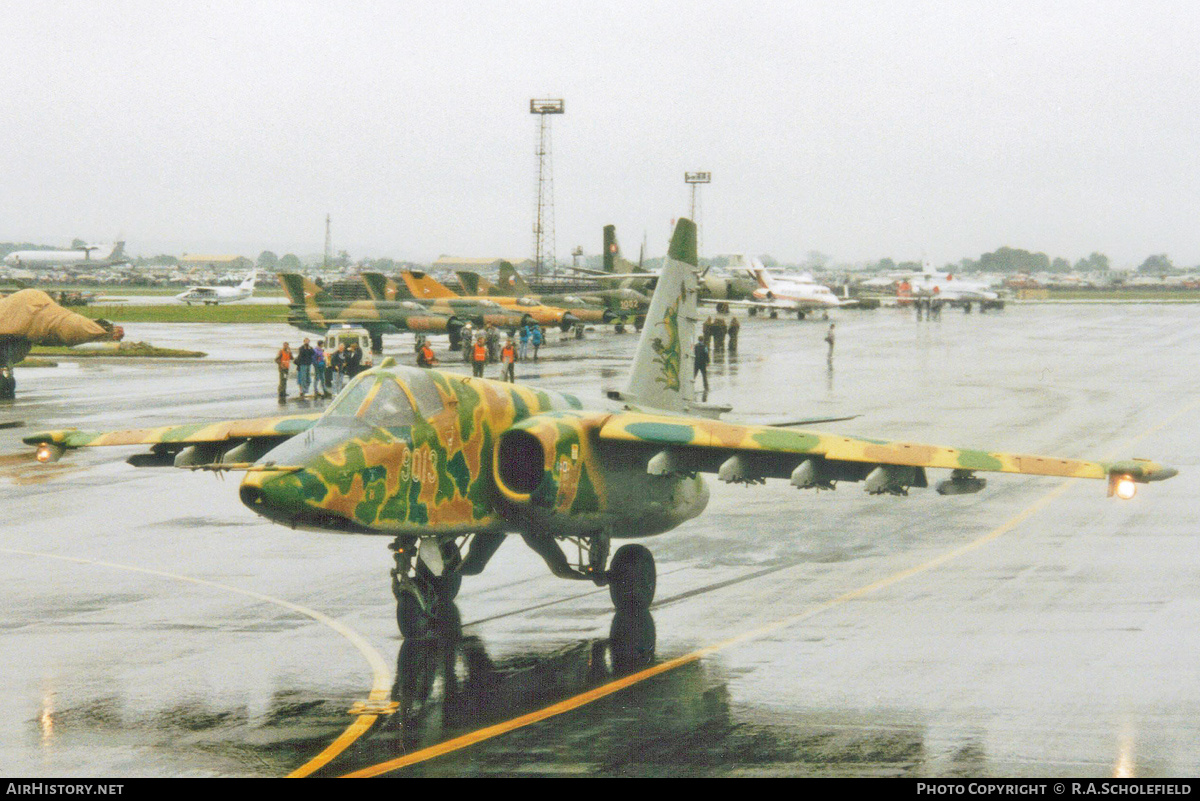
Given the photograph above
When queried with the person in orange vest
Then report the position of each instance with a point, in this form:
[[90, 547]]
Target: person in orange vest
[[284, 360], [425, 357], [479, 356], [508, 359]]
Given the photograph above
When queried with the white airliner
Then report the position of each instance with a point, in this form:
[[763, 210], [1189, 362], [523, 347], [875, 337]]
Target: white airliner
[[212, 295], [76, 257], [933, 284], [776, 293]]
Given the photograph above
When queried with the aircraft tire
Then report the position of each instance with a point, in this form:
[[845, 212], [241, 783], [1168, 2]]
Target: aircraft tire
[[632, 578]]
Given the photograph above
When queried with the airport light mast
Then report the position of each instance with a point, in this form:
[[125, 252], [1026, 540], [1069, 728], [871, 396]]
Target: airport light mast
[[328, 244], [543, 223], [694, 180]]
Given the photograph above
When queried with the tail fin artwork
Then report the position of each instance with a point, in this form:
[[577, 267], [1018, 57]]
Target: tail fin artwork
[[662, 377], [424, 286], [511, 282]]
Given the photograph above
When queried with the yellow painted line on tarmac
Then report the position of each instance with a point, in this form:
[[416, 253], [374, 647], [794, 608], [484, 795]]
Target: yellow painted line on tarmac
[[583, 699], [381, 679]]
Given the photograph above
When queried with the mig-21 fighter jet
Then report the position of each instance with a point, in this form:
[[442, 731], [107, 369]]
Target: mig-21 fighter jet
[[446, 466]]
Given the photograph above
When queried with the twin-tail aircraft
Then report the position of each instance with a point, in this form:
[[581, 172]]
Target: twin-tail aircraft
[[446, 466]]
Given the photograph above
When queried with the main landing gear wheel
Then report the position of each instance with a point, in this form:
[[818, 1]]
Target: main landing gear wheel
[[632, 578]]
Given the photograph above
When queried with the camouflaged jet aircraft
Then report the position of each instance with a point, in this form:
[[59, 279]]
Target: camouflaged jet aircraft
[[589, 306], [312, 309], [446, 465], [480, 311], [425, 287]]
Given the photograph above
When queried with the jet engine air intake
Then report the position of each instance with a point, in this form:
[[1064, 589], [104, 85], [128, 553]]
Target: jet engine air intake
[[519, 461]]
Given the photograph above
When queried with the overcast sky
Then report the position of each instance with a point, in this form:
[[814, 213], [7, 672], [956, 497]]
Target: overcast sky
[[861, 130]]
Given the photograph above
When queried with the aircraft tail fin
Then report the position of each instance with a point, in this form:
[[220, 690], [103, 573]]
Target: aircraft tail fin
[[248, 283], [612, 251], [614, 262], [118, 251], [424, 286], [760, 275], [380, 287], [662, 377], [511, 281], [470, 282], [300, 290]]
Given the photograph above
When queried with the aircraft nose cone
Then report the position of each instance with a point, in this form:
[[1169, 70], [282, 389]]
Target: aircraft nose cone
[[275, 494], [1164, 473]]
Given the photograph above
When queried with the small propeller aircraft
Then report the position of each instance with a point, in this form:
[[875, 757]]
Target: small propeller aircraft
[[447, 465], [213, 295]]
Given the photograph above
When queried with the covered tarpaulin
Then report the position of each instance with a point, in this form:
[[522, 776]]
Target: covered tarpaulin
[[31, 314]]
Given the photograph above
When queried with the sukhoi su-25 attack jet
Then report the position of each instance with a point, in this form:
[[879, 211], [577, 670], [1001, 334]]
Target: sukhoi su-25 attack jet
[[446, 466]]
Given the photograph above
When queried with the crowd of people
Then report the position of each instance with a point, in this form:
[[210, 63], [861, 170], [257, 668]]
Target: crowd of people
[[325, 373]]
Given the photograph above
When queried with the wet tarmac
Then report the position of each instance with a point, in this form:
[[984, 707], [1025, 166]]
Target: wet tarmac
[[154, 626]]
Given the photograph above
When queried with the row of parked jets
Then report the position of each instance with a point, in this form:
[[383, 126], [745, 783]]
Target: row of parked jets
[[766, 290]]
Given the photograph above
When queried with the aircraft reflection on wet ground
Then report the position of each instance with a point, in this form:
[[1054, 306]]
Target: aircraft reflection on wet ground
[[680, 723]]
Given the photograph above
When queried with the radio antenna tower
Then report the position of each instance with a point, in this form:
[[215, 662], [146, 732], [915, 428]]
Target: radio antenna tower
[[543, 221], [328, 244]]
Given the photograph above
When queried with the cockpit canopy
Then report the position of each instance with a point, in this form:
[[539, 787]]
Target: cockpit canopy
[[379, 399], [527, 302], [412, 304]]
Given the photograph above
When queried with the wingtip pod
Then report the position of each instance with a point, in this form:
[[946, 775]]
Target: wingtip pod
[[683, 243], [1123, 477], [1141, 470]]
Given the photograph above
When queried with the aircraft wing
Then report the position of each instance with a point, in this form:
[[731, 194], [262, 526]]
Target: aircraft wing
[[780, 304], [753, 453], [230, 442]]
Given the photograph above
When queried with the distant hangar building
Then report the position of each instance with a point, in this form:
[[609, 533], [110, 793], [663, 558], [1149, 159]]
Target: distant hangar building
[[479, 265], [218, 262]]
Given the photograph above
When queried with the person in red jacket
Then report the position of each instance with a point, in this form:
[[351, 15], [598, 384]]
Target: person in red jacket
[[508, 359]]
